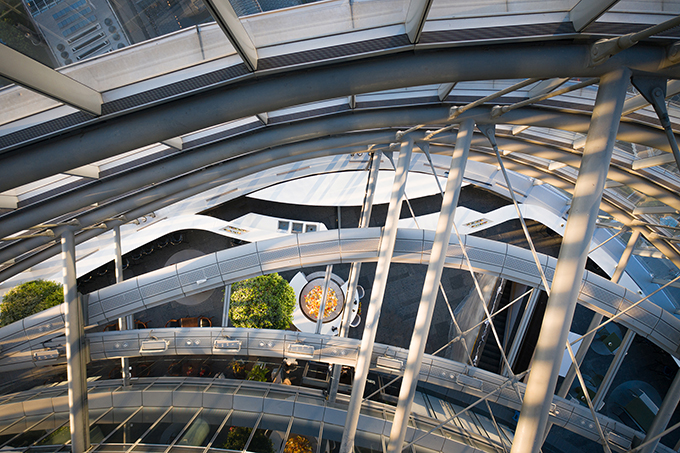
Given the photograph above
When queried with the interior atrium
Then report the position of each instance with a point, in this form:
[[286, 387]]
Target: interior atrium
[[485, 192]]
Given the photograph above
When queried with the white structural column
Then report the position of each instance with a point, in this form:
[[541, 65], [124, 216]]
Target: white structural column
[[355, 269], [27, 72], [670, 402], [430, 287], [366, 210], [75, 349], [127, 322], [571, 262], [324, 295], [382, 269], [597, 318]]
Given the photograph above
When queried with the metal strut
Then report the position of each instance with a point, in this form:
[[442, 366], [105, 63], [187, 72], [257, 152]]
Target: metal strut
[[653, 89]]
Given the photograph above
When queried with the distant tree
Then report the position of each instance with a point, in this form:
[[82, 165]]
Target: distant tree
[[264, 302], [29, 298]]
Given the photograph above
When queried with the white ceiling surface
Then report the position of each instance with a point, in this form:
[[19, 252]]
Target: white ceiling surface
[[345, 189]]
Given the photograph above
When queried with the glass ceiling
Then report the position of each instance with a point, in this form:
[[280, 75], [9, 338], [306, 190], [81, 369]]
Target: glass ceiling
[[139, 53], [62, 32]]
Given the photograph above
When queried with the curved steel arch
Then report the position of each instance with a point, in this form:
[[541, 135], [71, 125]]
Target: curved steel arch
[[556, 180], [300, 133], [235, 149], [115, 135]]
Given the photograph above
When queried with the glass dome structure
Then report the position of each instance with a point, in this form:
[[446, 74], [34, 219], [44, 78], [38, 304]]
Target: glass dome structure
[[494, 186]]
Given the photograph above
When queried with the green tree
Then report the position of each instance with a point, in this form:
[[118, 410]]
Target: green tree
[[264, 302], [29, 298]]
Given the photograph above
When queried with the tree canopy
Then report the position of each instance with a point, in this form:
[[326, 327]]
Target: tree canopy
[[264, 302], [29, 298]]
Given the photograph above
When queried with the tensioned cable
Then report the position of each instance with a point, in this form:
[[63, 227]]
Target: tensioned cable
[[460, 331], [607, 240], [588, 400], [457, 111], [381, 388], [458, 338], [474, 277], [498, 110], [616, 316], [441, 288], [490, 135], [495, 425], [521, 375], [425, 149], [458, 414], [652, 439], [479, 291]]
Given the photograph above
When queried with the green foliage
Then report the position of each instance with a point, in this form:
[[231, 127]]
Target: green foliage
[[257, 373], [237, 438], [264, 302], [29, 298]]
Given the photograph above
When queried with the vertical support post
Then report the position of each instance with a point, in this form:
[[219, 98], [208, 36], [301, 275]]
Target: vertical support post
[[355, 269], [597, 318], [126, 322], [225, 306], [366, 210], [75, 349], [566, 283], [522, 329], [324, 296], [385, 253], [430, 287], [670, 402]]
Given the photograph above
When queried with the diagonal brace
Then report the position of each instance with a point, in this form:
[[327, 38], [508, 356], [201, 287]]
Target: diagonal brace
[[653, 89]]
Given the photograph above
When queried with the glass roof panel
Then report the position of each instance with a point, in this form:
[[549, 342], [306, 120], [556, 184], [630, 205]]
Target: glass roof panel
[[184, 54], [250, 7], [324, 18], [442, 9], [61, 32]]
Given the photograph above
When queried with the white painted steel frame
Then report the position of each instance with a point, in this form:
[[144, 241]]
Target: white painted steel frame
[[76, 360], [387, 242], [430, 287], [559, 312]]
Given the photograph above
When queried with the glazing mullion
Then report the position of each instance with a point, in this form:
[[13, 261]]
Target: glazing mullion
[[184, 430], [27, 429], [148, 430], [121, 425], [219, 430]]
